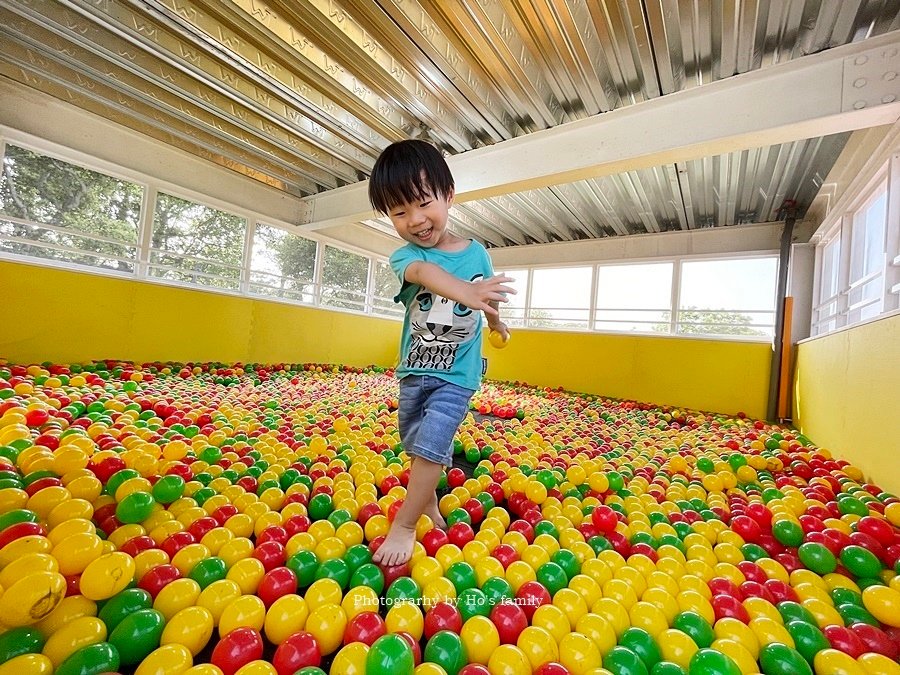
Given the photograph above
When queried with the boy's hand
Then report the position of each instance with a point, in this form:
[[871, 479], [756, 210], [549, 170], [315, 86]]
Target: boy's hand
[[482, 293]]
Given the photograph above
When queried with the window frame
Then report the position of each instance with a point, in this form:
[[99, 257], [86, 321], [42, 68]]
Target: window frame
[[250, 271], [838, 297], [523, 293], [529, 308], [673, 295], [886, 179], [677, 286], [153, 186], [249, 224], [84, 161], [365, 300], [374, 300], [892, 245], [855, 310]]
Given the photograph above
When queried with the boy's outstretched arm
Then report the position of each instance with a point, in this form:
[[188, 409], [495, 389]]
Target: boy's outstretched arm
[[474, 294], [494, 322]]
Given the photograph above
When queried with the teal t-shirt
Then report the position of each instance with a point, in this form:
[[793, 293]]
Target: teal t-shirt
[[440, 337]]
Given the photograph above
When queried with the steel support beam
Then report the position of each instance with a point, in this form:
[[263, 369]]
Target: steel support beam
[[851, 87]]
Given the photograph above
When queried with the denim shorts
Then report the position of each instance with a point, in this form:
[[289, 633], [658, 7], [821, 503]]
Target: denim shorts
[[430, 412]]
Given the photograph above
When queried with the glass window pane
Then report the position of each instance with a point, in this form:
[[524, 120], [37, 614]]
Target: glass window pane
[[867, 240], [870, 311], [196, 244], [387, 285], [344, 279], [728, 297], [634, 297], [872, 291], [828, 310], [831, 263], [561, 297], [34, 241], [512, 313], [635, 322], [876, 217], [282, 264], [857, 245], [59, 211]]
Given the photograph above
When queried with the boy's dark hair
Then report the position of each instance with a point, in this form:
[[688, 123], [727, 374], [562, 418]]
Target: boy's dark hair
[[405, 172]]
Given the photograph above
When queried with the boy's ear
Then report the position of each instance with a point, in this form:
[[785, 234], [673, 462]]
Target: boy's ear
[[450, 196]]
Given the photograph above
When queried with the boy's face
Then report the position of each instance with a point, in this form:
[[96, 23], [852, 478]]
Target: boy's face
[[423, 222]]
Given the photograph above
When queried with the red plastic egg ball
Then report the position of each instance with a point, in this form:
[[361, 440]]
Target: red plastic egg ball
[[393, 572], [413, 645], [365, 627], [298, 651], [510, 620], [237, 649], [158, 578], [474, 669], [530, 596], [505, 554], [433, 540], [270, 554], [276, 583], [524, 528], [728, 606], [460, 534], [551, 668], [876, 640], [443, 616], [604, 519], [845, 640], [455, 477]]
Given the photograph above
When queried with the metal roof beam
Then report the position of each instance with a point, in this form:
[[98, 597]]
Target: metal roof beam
[[842, 89]]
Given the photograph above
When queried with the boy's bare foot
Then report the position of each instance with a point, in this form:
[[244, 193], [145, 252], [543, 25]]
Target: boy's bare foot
[[397, 547], [434, 513]]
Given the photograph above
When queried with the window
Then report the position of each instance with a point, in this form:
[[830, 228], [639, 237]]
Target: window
[[386, 286], [867, 248], [727, 297], [858, 263], [827, 308], [196, 244], [635, 298], [55, 210], [282, 265], [561, 298], [61, 213], [512, 313], [344, 279]]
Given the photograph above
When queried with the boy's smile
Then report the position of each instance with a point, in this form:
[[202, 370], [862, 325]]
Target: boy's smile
[[424, 235], [424, 221]]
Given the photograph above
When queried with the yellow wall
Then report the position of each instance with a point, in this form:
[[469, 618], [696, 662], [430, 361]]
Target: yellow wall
[[847, 397], [63, 316], [722, 376]]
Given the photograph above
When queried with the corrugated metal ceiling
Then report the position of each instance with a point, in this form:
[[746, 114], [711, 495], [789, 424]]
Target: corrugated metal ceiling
[[303, 95]]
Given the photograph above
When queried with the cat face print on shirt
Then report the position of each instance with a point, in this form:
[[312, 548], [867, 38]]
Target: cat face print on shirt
[[438, 326]]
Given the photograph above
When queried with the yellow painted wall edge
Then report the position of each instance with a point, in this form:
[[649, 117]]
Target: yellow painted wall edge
[[847, 397], [721, 376], [66, 316]]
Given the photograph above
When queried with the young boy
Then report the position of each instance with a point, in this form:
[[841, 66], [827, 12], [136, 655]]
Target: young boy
[[446, 282]]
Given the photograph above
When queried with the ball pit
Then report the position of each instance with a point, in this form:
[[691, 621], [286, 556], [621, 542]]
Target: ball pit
[[221, 518]]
